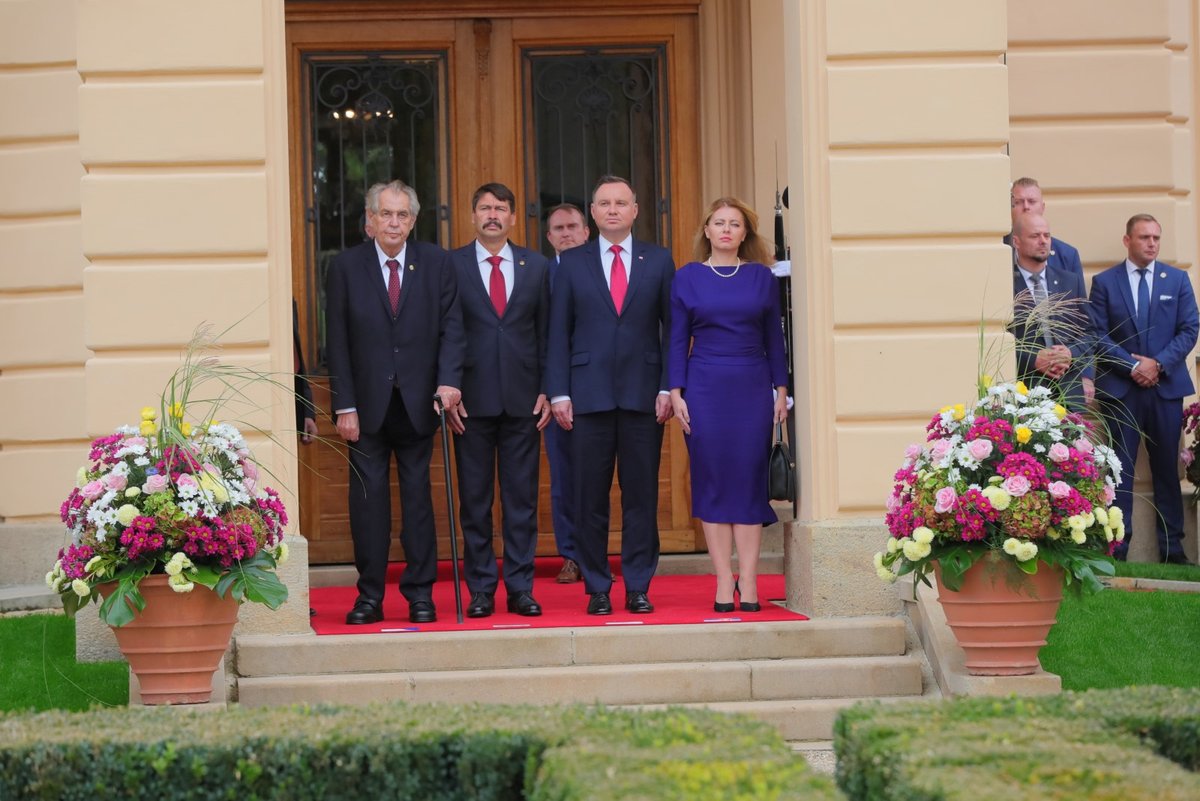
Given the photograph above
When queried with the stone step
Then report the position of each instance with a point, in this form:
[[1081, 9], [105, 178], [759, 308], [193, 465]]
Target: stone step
[[616, 684], [29, 551], [23, 597], [306, 655]]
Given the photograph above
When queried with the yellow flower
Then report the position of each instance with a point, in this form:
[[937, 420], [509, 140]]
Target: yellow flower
[[149, 413], [944, 409], [1060, 411], [1024, 434], [185, 428], [960, 411], [148, 428], [1021, 388], [215, 486], [176, 410], [126, 514], [997, 497], [986, 381], [923, 535]]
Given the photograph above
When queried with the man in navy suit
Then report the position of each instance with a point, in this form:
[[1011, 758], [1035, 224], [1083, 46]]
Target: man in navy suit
[[1026, 198], [1146, 323], [607, 381], [394, 334], [505, 297], [566, 228], [1050, 320]]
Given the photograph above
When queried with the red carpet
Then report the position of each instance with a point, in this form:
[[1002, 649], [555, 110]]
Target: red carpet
[[677, 600]]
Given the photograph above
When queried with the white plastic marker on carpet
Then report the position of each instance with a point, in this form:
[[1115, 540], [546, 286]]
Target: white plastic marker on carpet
[[722, 620], [397, 631], [624, 623], [510, 625]]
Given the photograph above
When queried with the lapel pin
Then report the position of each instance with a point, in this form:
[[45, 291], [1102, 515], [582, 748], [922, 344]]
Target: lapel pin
[[640, 258], [1162, 275], [521, 262], [412, 267]]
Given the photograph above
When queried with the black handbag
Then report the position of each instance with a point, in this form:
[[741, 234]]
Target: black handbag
[[781, 469]]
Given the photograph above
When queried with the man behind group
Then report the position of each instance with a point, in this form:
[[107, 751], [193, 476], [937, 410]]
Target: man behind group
[[504, 294], [607, 380], [565, 228], [1146, 323], [394, 333], [1026, 198], [1050, 320]]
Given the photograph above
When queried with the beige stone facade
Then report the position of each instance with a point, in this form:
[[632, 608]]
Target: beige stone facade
[[145, 162]]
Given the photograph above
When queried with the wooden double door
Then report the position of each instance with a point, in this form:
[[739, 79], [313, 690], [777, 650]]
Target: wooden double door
[[446, 96]]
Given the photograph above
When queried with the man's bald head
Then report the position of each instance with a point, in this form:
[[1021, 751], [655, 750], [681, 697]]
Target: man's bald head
[[1031, 241]]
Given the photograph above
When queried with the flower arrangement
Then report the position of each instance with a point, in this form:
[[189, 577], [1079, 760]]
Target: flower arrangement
[[1014, 475], [170, 498], [1191, 466]]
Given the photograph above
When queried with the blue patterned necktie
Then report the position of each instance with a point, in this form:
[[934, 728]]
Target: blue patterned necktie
[[1143, 311]]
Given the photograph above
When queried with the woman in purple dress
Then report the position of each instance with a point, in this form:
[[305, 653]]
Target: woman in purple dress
[[725, 306]]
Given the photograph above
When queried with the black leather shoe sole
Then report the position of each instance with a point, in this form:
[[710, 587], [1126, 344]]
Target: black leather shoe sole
[[599, 604], [422, 612], [363, 614]]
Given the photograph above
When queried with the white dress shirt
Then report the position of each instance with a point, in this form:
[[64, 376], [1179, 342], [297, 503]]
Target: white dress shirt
[[506, 267]]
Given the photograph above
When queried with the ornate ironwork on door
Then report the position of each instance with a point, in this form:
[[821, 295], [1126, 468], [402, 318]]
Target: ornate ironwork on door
[[597, 111], [373, 117]]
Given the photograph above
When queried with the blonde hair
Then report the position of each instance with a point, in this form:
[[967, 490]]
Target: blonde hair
[[754, 248]]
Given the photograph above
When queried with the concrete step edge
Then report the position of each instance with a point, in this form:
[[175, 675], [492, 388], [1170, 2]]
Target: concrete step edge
[[22, 597]]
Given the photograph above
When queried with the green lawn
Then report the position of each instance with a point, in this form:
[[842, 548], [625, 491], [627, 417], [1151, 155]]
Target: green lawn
[[37, 661]]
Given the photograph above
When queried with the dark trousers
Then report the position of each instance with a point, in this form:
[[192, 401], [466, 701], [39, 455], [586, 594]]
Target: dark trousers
[[512, 444], [371, 506], [562, 492], [632, 441], [1142, 412]]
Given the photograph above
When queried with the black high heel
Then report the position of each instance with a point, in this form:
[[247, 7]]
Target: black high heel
[[746, 606], [720, 607]]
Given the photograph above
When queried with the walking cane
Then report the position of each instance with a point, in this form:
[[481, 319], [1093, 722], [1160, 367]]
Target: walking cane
[[437, 401]]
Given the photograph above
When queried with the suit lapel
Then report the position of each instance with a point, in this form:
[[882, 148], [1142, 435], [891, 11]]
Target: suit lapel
[[520, 274], [1127, 293], [636, 271], [474, 277], [595, 269], [411, 269], [373, 275]]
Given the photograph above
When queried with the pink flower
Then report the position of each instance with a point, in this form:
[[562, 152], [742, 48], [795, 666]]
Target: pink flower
[[156, 483], [1110, 495], [1059, 489], [250, 469], [92, 490], [135, 442], [1016, 485], [946, 498], [939, 449], [979, 449], [187, 482], [1059, 452], [1084, 445], [249, 484], [115, 481], [1187, 457]]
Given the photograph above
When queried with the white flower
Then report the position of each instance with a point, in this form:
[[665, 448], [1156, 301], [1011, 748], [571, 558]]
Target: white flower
[[923, 535], [126, 514], [1101, 515], [81, 477], [997, 497], [141, 461], [915, 551], [1119, 532], [133, 492], [1077, 522], [1010, 546], [1115, 516], [189, 508], [81, 588], [92, 563], [1026, 551], [1078, 537], [893, 545], [886, 575], [282, 552], [180, 584], [52, 578]]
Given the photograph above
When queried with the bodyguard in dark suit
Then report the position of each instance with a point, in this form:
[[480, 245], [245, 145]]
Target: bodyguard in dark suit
[[1146, 323], [1050, 321], [566, 227], [1025, 197], [505, 298], [394, 336], [607, 380]]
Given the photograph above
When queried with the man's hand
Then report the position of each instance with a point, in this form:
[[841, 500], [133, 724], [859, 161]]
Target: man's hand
[[1089, 390], [679, 406], [455, 416], [310, 431], [347, 426], [662, 408], [564, 414], [1146, 372], [1053, 361], [542, 409], [450, 397]]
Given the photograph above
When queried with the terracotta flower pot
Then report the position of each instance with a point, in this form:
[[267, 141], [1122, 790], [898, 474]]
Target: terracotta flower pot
[[1001, 616], [176, 643]]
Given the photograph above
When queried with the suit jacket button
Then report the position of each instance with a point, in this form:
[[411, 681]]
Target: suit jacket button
[[395, 350], [391, 378]]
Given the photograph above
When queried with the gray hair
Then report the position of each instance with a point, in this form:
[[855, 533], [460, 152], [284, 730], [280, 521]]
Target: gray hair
[[395, 186]]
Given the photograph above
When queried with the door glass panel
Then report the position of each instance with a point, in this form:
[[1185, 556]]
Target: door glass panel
[[597, 111], [373, 117]]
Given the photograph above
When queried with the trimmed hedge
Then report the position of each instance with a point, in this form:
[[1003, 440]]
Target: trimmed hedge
[[1125, 745], [397, 751]]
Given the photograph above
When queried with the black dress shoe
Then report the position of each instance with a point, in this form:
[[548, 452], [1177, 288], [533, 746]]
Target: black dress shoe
[[600, 604], [1177, 559], [523, 603], [482, 604], [422, 612], [364, 612], [638, 603]]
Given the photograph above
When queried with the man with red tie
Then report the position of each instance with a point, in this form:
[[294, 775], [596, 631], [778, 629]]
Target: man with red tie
[[505, 298], [606, 376], [394, 337]]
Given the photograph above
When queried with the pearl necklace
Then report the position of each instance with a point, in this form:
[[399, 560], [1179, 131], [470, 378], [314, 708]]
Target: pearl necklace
[[720, 274]]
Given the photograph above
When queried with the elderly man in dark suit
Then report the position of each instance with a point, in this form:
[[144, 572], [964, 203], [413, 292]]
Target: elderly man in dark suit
[[1050, 320], [394, 339], [1146, 323], [607, 380], [505, 298]]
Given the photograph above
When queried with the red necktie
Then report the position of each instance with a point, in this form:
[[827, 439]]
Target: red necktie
[[394, 284], [496, 286], [618, 282]]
